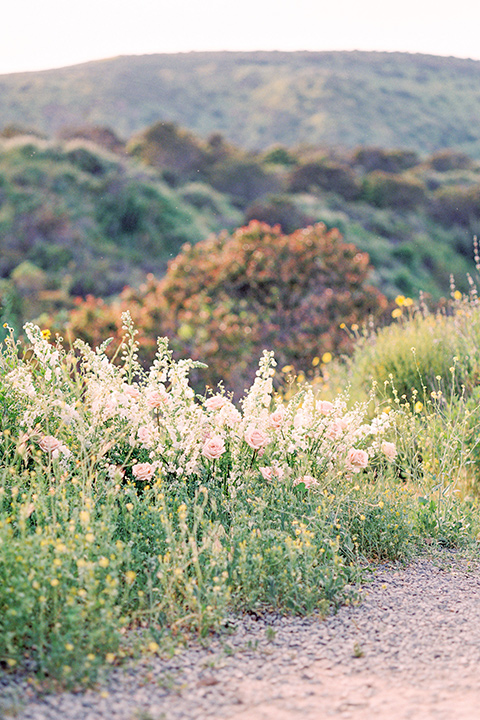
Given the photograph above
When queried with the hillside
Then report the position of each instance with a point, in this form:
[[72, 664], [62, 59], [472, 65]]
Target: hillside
[[262, 98], [75, 219]]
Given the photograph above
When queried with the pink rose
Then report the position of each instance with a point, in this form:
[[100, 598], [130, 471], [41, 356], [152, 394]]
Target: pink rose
[[389, 450], [335, 430], [213, 447], [52, 445], [145, 435], [131, 391], [269, 473], [357, 459], [255, 437], [308, 480], [143, 471], [324, 406], [215, 402], [156, 398], [49, 443], [277, 417]]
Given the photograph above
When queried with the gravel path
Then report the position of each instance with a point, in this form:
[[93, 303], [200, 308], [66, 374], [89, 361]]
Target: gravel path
[[410, 649]]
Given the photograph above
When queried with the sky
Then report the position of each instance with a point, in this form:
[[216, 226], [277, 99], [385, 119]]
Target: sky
[[43, 34]]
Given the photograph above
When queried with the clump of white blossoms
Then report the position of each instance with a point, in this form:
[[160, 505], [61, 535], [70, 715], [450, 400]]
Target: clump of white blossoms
[[149, 425]]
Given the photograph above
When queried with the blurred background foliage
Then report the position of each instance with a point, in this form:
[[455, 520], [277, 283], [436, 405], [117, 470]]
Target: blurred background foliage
[[97, 217], [225, 299]]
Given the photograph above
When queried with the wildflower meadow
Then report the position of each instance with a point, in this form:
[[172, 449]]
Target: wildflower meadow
[[135, 512]]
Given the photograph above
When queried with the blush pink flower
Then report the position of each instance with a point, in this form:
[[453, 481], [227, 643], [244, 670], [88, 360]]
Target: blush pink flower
[[156, 398], [324, 407], [269, 473], [49, 443], [145, 435], [277, 417], [255, 437], [389, 450], [308, 480], [335, 430], [131, 391], [300, 420], [357, 459], [215, 402], [213, 447], [143, 471]]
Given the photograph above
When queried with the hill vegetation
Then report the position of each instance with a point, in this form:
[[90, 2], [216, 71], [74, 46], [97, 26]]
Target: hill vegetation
[[77, 219], [262, 98], [89, 214]]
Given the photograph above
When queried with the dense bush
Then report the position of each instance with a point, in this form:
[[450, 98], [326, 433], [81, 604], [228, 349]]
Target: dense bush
[[389, 161], [227, 298], [325, 175], [456, 205], [164, 145], [279, 210], [244, 180], [384, 189], [446, 160], [423, 351], [279, 155], [100, 136]]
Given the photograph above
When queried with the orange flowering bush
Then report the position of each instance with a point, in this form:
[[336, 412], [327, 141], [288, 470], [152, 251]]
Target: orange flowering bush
[[225, 299]]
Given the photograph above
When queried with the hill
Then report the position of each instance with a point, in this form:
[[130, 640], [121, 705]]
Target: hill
[[258, 99]]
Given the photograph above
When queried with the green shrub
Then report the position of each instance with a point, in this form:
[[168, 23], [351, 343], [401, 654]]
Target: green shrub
[[447, 160], [388, 161], [166, 146], [388, 190], [243, 180], [417, 353], [279, 210], [456, 206], [325, 175]]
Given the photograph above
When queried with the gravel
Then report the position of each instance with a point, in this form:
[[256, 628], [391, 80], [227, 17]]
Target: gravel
[[409, 649]]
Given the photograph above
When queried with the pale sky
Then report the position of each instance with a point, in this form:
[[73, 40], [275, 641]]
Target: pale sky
[[42, 34]]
